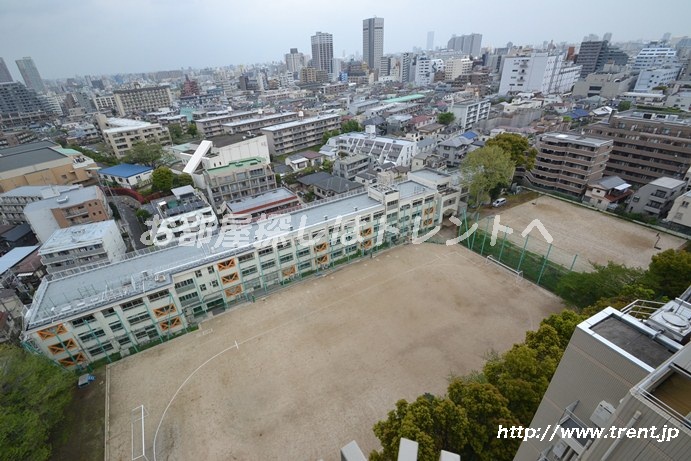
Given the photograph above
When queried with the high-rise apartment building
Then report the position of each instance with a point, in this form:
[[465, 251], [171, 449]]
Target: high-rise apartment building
[[30, 74], [430, 40], [594, 54], [537, 72], [323, 52], [5, 76], [373, 42], [295, 61], [147, 99], [468, 44], [15, 98], [406, 66]]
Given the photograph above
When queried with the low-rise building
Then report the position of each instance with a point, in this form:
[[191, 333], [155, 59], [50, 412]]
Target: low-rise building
[[42, 163], [469, 112], [122, 134], [605, 84], [69, 208], [82, 245], [680, 213], [12, 203], [656, 198], [349, 166], [567, 163], [608, 193], [276, 201], [290, 137], [185, 212], [380, 149], [212, 125], [102, 311], [126, 175], [257, 123], [325, 185], [454, 150]]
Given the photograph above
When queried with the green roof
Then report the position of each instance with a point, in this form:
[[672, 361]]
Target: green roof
[[66, 151], [244, 163]]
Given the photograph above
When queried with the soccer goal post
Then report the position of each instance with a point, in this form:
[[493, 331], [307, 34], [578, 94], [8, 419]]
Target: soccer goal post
[[138, 438]]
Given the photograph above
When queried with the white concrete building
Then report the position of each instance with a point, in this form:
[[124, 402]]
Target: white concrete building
[[470, 111], [648, 79], [680, 213], [186, 212], [538, 72], [82, 245], [380, 148], [122, 134], [681, 100], [653, 57], [105, 103], [426, 68], [126, 175], [300, 134]]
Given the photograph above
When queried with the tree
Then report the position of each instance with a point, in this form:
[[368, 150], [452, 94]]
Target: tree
[[192, 129], [350, 126], [33, 397], [522, 153], [585, 288], [624, 105], [182, 179], [446, 118], [161, 179], [175, 132], [279, 180], [329, 134], [142, 215], [149, 154], [328, 166], [669, 273], [485, 169]]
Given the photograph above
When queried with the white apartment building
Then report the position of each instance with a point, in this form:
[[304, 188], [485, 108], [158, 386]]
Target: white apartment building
[[185, 212], [82, 245], [654, 57], [538, 72], [426, 68], [649, 79], [104, 103], [290, 137], [212, 125], [680, 213], [121, 134], [257, 123], [470, 111], [381, 149], [455, 67], [12, 203], [118, 307]]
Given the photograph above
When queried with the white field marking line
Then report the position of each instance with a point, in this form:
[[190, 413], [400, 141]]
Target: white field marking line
[[106, 429], [295, 319]]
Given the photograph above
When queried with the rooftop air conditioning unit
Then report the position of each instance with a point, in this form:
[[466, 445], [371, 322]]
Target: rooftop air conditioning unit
[[158, 278]]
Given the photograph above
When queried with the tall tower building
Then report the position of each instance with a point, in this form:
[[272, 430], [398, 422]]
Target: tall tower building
[[295, 61], [430, 40], [30, 74], [323, 52], [373, 42], [5, 76]]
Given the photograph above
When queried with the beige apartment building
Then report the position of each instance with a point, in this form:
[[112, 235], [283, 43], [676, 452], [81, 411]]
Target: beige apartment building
[[42, 163], [148, 99], [122, 134], [566, 163], [301, 134]]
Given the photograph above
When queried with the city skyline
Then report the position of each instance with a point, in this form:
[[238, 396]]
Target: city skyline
[[150, 35]]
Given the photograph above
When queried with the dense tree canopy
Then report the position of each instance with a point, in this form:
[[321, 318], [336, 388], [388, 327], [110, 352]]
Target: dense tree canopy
[[350, 125], [149, 154], [585, 288], [446, 118], [192, 129], [486, 169], [669, 273], [182, 179], [33, 396], [162, 179], [522, 153]]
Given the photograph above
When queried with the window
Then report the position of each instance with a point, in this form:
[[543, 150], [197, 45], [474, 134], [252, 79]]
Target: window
[[83, 321], [305, 266], [249, 271], [158, 295], [304, 252], [131, 304], [210, 269], [283, 245], [91, 335], [247, 257], [139, 318], [268, 264], [202, 287], [286, 258], [115, 326], [684, 204], [100, 349], [266, 251], [214, 283], [123, 341], [107, 312], [184, 284], [197, 273]]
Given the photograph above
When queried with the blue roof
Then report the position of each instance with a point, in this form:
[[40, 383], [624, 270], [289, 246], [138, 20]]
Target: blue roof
[[125, 170], [469, 135], [578, 113]]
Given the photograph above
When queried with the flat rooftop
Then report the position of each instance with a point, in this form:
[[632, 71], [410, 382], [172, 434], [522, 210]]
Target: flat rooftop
[[576, 139], [30, 155], [244, 163], [633, 340], [37, 191], [256, 203], [224, 140], [259, 119], [228, 115], [89, 287], [305, 121], [65, 200], [77, 236], [669, 183], [410, 97]]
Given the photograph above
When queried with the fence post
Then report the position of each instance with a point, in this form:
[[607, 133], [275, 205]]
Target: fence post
[[544, 263], [485, 238], [574, 262], [465, 221], [503, 242], [520, 261]]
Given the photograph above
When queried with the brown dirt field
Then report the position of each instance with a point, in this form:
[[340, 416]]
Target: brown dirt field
[[592, 235], [322, 361]]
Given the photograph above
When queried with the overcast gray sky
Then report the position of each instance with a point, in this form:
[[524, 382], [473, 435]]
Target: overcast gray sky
[[78, 37]]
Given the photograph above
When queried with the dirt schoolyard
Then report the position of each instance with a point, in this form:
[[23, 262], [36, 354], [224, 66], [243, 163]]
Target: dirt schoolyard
[[317, 364]]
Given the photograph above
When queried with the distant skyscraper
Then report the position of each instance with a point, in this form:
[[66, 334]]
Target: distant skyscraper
[[666, 37], [373, 42], [30, 74], [5, 76], [295, 61], [592, 56], [323, 52], [607, 37], [468, 44], [430, 40]]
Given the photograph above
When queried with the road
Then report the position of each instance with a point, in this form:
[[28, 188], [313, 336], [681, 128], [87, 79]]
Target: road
[[127, 206]]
